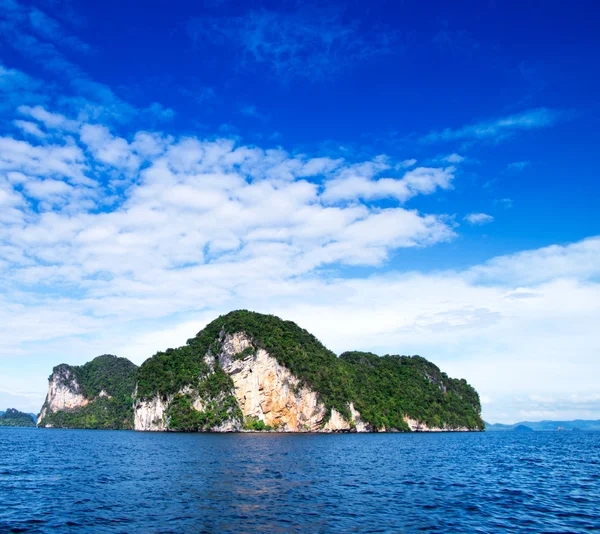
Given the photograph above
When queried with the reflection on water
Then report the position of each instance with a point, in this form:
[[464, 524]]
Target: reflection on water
[[82, 481]]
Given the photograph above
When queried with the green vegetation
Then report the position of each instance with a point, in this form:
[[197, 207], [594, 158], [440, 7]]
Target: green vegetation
[[102, 413], [14, 417], [387, 388], [254, 423], [220, 406], [248, 351], [115, 376], [108, 382], [383, 389], [168, 372]]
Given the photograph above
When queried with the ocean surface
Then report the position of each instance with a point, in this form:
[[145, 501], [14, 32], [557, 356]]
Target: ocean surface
[[110, 481]]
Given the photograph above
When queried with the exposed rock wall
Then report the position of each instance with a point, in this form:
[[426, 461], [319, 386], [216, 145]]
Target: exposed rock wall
[[64, 393], [267, 390], [264, 389], [150, 415], [418, 426]]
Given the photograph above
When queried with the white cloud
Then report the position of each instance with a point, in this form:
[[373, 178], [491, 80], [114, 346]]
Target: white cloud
[[202, 227], [518, 165], [454, 158], [422, 180], [106, 148], [193, 203], [52, 160], [49, 120], [498, 129], [577, 261], [43, 189], [479, 218], [29, 128]]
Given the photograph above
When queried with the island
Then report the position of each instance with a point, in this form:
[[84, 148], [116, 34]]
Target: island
[[247, 371], [13, 417]]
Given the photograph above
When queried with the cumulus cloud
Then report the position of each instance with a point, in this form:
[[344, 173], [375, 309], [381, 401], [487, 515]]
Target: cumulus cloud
[[360, 183], [108, 149], [193, 207], [479, 219]]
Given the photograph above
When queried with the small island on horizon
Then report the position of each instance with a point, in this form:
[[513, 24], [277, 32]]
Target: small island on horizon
[[248, 371], [13, 417]]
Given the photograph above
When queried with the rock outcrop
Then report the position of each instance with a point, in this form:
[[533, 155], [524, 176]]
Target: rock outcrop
[[150, 416], [419, 426], [95, 395], [265, 391], [268, 391], [64, 393]]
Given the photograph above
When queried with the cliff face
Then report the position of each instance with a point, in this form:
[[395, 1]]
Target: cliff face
[[264, 390], [95, 395], [64, 393], [151, 415], [267, 391], [419, 426]]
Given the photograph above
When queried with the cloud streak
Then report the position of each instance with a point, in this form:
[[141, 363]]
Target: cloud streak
[[311, 42], [41, 39], [497, 130]]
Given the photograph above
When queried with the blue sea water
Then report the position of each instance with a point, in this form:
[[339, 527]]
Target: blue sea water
[[109, 481]]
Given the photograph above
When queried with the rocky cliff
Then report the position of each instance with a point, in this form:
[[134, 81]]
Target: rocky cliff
[[64, 393], [268, 395], [256, 372], [95, 395]]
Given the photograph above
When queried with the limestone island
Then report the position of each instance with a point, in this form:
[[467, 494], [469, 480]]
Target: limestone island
[[13, 417], [247, 371]]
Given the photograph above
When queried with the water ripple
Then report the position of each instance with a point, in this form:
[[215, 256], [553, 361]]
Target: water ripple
[[95, 481]]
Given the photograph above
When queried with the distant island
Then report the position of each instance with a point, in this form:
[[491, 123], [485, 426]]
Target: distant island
[[577, 424], [247, 371], [522, 428], [12, 417]]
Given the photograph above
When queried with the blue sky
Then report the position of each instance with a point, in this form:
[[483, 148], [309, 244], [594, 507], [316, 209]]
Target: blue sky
[[403, 177]]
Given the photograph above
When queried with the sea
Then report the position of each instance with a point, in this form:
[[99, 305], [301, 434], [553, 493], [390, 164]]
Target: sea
[[54, 480]]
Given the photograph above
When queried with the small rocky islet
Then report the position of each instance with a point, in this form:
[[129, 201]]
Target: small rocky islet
[[247, 371], [13, 417]]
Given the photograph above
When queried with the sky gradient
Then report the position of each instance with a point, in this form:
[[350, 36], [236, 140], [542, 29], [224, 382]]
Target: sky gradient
[[399, 177]]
